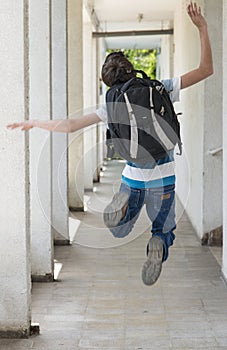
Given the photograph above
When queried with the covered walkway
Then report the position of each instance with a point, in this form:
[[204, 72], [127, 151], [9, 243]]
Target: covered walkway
[[94, 298], [99, 301]]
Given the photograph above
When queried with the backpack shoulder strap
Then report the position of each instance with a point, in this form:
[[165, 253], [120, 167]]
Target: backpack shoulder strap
[[144, 75], [126, 85]]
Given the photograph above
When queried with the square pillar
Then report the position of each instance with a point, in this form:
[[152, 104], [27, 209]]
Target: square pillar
[[201, 171], [15, 272], [40, 141], [89, 85], [213, 128], [224, 74], [75, 102], [59, 111]]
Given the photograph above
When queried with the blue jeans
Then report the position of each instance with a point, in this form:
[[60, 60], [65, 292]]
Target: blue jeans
[[160, 207]]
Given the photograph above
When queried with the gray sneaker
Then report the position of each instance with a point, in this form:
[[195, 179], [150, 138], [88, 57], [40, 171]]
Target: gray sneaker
[[113, 212], [153, 266]]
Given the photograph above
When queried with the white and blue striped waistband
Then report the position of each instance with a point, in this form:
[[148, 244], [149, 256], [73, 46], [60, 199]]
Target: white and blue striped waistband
[[158, 172]]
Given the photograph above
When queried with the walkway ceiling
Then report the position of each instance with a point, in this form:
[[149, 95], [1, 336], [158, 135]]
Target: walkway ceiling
[[130, 15]]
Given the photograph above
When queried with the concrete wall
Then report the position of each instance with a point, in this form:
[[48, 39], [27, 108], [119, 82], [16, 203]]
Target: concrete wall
[[186, 57], [101, 93], [212, 204], [201, 109], [40, 140], [89, 102], [75, 101], [224, 266], [96, 89], [59, 111], [93, 136], [166, 59], [15, 291]]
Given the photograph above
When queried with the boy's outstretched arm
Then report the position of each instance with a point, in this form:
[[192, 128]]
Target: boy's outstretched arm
[[205, 68], [62, 125]]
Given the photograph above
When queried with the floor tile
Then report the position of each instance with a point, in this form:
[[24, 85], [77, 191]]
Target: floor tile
[[99, 301]]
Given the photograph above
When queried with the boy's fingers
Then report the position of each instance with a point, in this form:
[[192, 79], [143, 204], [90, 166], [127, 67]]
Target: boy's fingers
[[15, 125], [193, 10], [197, 9], [190, 9], [11, 126]]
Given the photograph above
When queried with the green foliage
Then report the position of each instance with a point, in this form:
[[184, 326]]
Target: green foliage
[[142, 59]]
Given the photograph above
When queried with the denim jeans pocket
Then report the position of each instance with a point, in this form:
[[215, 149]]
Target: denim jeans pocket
[[134, 198], [163, 200], [134, 195]]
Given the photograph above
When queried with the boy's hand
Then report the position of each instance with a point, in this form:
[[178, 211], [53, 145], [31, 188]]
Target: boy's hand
[[194, 12], [23, 125]]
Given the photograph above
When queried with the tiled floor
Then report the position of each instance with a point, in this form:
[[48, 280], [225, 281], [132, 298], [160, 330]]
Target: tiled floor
[[99, 301]]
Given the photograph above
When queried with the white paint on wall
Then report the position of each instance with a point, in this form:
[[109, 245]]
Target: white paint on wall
[[224, 255], [166, 57], [89, 102], [186, 57], [40, 140], [15, 291], [75, 102], [213, 95], [59, 111], [201, 107]]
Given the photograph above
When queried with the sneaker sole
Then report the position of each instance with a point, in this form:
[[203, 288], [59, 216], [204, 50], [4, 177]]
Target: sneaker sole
[[153, 266], [113, 212]]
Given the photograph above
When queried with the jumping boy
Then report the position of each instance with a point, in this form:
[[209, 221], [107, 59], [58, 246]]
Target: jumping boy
[[152, 184]]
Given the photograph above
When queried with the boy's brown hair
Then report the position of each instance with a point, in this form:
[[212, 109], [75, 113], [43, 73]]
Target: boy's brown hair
[[117, 69]]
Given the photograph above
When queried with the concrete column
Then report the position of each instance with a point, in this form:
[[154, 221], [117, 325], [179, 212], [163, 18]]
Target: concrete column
[[166, 59], [91, 95], [59, 111], [75, 102], [186, 58], [224, 74], [40, 141], [96, 86], [101, 93], [212, 172], [15, 272], [202, 114], [89, 84]]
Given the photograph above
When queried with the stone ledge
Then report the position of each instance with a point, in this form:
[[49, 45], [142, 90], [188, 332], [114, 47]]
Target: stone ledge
[[20, 333], [76, 209], [15, 334], [62, 242], [213, 238], [34, 329], [49, 277]]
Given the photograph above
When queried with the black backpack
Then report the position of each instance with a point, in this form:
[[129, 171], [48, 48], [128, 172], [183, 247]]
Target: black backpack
[[142, 120]]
